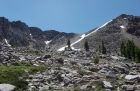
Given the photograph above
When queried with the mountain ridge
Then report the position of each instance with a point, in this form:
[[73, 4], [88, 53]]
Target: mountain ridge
[[118, 30]]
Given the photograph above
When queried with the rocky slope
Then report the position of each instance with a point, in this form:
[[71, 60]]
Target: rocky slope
[[120, 29], [18, 33]]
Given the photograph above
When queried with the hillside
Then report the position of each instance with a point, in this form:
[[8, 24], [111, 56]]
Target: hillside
[[118, 30], [19, 34]]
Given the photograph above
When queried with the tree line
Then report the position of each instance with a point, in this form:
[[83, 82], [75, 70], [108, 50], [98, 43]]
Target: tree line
[[130, 51], [102, 48]]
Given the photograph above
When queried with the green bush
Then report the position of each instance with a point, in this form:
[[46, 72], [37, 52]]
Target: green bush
[[96, 60]]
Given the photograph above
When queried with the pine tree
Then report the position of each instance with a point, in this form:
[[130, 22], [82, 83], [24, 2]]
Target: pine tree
[[132, 51], [68, 43], [137, 54], [86, 46], [122, 49], [103, 48], [128, 49]]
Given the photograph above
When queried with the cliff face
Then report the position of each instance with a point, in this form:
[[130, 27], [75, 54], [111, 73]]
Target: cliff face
[[118, 30], [17, 33]]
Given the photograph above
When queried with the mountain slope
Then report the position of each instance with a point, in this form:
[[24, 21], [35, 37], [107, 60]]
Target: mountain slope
[[17, 33], [118, 30]]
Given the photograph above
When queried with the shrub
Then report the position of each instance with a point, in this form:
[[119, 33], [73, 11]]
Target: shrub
[[96, 60]]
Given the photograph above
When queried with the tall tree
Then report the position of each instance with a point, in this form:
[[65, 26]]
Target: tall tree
[[86, 46], [103, 48], [122, 49], [137, 54], [68, 43]]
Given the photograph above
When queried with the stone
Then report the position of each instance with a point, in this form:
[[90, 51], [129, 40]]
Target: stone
[[107, 85], [128, 87], [87, 87], [138, 87], [111, 74], [7, 87], [60, 60], [35, 64], [46, 56], [67, 81], [131, 77], [94, 69]]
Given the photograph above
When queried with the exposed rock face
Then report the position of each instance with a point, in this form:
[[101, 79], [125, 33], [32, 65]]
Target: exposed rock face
[[120, 29], [17, 33]]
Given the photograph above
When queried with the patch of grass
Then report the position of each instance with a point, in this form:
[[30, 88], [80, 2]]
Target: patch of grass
[[16, 75]]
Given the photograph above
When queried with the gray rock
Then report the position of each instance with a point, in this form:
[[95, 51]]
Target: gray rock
[[132, 77], [87, 87], [60, 60], [111, 74], [46, 56], [128, 87], [7, 87], [107, 85]]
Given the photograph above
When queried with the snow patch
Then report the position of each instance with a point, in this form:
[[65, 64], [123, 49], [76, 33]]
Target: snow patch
[[122, 26], [98, 28], [47, 42], [30, 34], [7, 42], [82, 37], [125, 18]]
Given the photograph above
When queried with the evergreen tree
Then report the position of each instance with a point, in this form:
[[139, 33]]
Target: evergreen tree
[[96, 60], [128, 49], [103, 48], [68, 43], [137, 54], [122, 49], [86, 46], [132, 51]]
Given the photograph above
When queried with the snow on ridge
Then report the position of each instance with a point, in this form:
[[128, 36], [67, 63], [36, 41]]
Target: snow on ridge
[[47, 42], [98, 29], [122, 26], [82, 37], [7, 42]]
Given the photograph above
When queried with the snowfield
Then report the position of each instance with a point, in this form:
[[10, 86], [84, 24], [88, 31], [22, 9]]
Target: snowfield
[[82, 37]]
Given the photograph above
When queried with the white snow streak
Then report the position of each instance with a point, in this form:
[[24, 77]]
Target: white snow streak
[[122, 26], [7, 42], [47, 42], [82, 37]]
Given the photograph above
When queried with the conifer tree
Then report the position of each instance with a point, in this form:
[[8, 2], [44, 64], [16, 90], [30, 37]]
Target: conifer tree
[[103, 48], [68, 43], [122, 49], [137, 54], [86, 46]]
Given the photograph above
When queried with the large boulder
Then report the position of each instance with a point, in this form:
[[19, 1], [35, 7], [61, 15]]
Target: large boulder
[[46, 56], [128, 87], [107, 85], [60, 60], [111, 74], [7, 87]]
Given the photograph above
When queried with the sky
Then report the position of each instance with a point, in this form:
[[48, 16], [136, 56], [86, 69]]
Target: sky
[[78, 16]]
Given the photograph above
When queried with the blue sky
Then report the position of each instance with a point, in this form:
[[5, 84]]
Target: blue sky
[[78, 16]]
